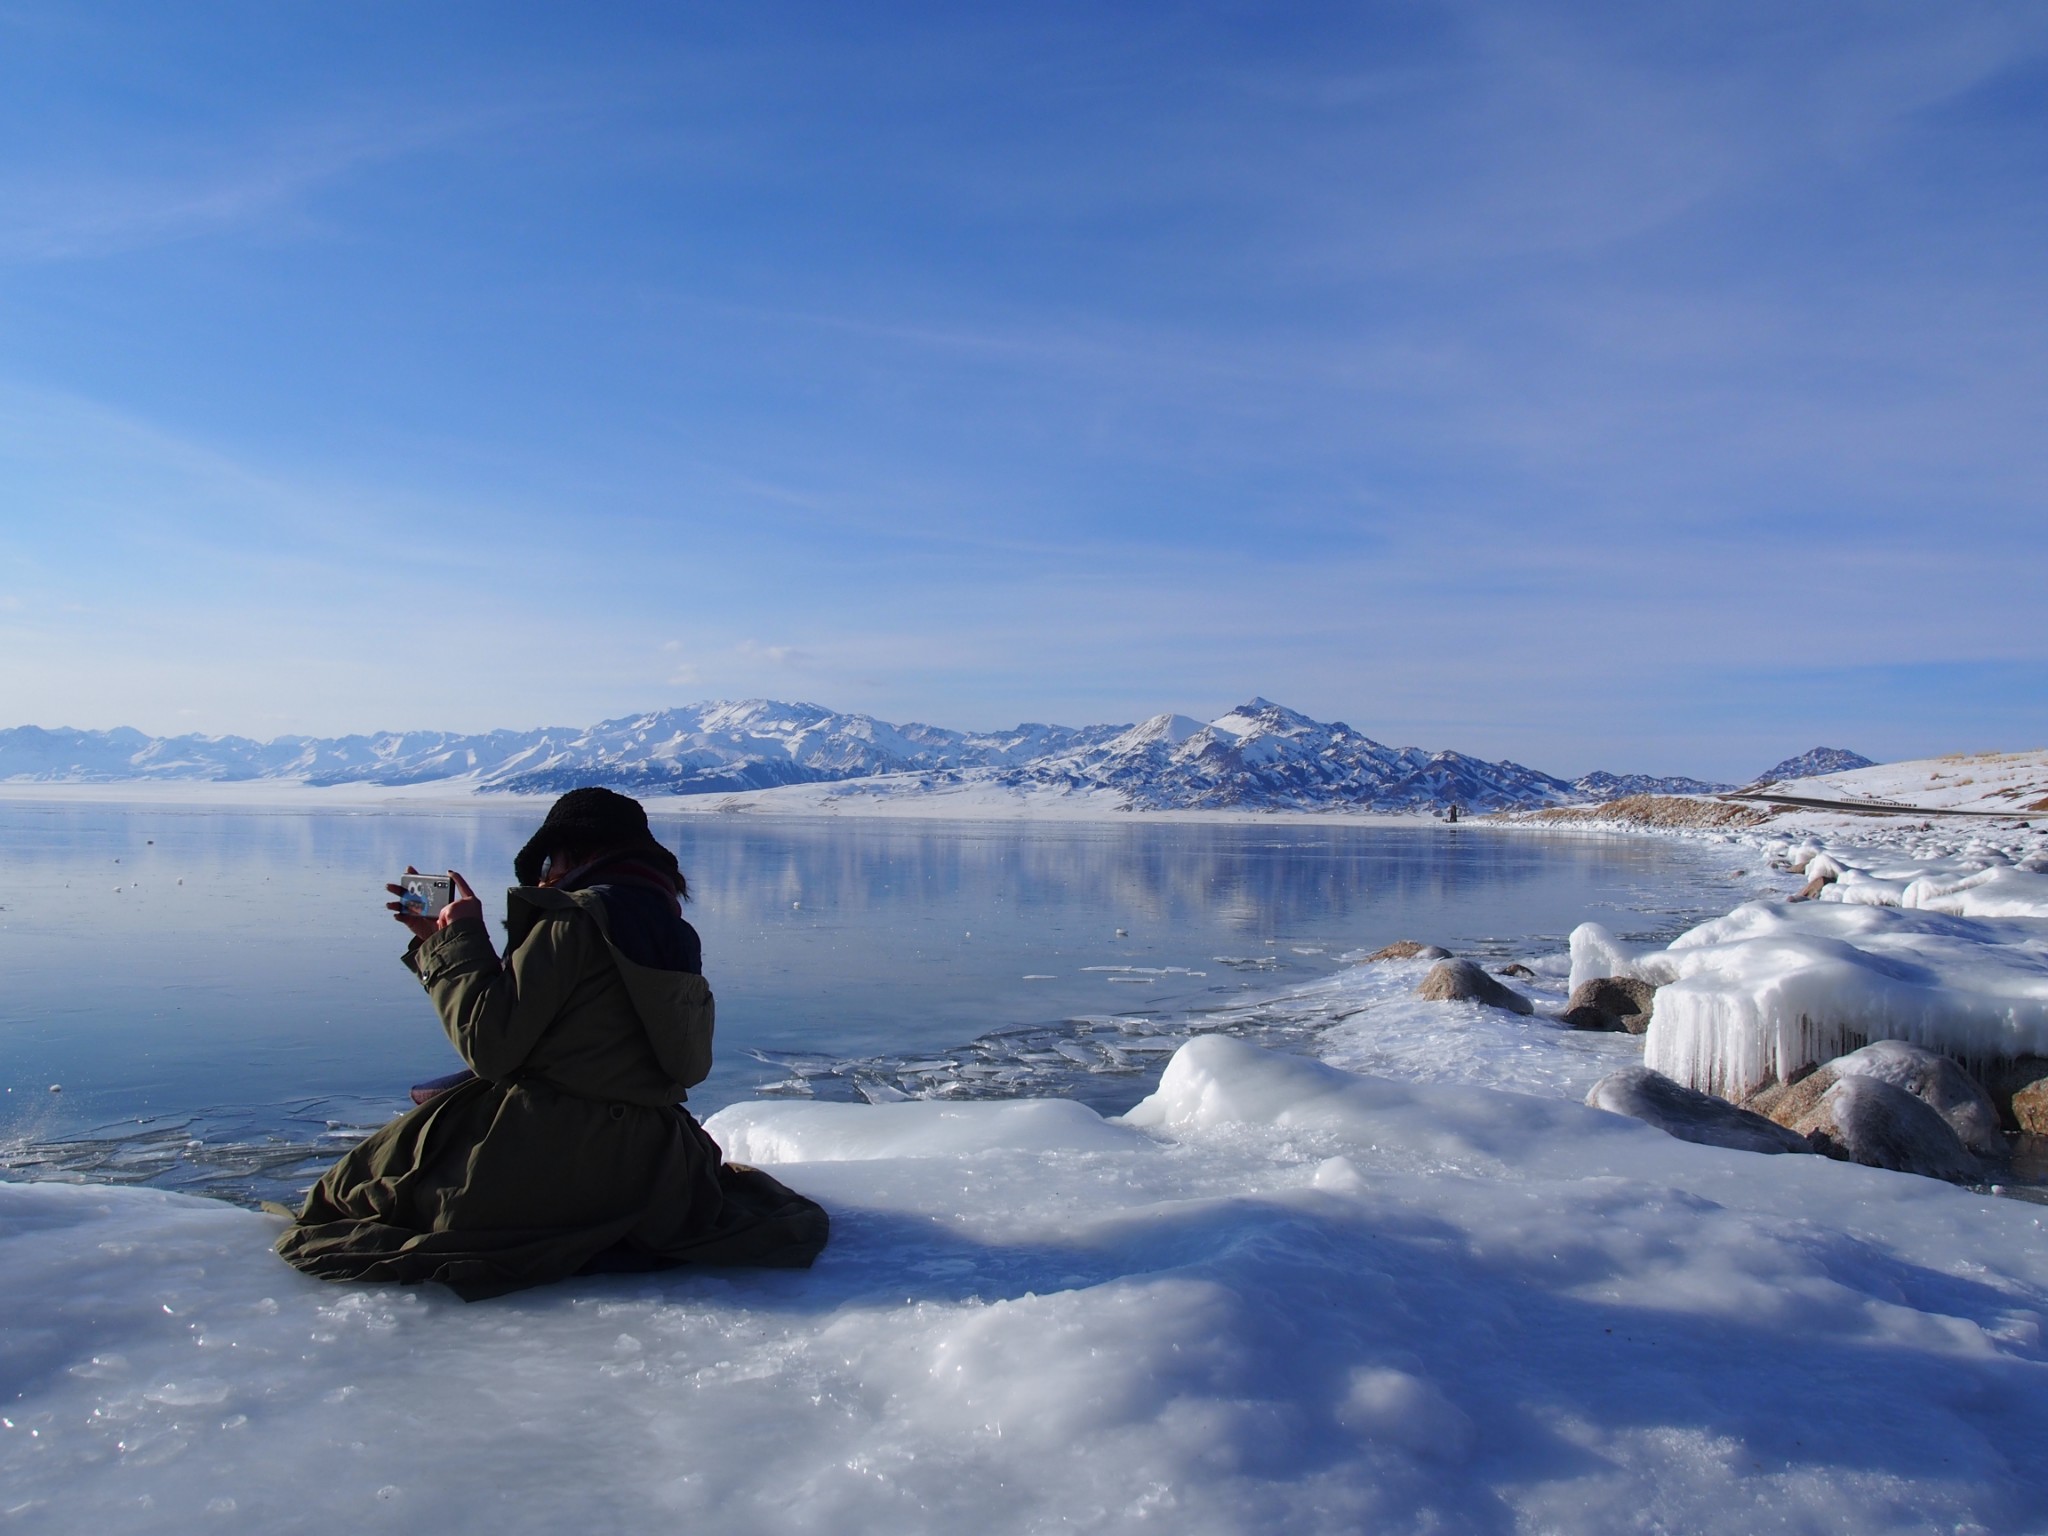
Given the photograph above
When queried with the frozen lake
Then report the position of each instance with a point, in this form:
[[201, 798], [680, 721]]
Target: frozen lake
[[1328, 1276], [219, 995]]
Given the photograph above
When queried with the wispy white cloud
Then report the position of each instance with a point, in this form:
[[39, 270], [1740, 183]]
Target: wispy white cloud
[[194, 183]]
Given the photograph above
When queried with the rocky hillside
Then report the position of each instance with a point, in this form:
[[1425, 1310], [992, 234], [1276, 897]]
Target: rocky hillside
[[1812, 764]]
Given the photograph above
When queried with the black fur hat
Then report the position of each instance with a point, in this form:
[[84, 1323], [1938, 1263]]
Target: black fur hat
[[592, 821]]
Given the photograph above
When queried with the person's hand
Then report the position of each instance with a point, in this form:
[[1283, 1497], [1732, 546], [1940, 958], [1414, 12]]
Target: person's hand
[[418, 922], [464, 908]]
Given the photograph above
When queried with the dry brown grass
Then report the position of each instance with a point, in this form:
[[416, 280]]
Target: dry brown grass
[[1664, 811]]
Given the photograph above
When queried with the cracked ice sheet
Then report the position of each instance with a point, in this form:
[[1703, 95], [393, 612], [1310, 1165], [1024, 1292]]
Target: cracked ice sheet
[[1281, 1298], [1382, 1028]]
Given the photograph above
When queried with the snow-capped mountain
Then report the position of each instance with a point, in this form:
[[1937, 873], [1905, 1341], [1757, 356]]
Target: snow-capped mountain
[[701, 748], [1258, 756], [1262, 755], [760, 743], [1812, 764], [1612, 786]]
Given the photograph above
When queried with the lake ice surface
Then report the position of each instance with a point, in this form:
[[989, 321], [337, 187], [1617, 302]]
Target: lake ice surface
[[1275, 1296], [219, 995]]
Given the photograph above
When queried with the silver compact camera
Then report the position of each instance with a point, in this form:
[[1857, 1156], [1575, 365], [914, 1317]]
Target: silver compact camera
[[424, 895]]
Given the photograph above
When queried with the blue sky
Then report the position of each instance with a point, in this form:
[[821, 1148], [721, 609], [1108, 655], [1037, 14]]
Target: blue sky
[[1648, 387]]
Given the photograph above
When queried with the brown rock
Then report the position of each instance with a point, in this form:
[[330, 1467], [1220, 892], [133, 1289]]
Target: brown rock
[[1460, 981], [2006, 1080], [1611, 1003], [1515, 968], [1811, 889], [1789, 1103], [2030, 1108], [1409, 949]]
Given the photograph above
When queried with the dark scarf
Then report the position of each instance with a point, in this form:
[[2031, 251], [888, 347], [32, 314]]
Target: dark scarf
[[643, 910]]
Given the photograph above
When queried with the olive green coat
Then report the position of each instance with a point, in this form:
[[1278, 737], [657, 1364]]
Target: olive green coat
[[569, 1151]]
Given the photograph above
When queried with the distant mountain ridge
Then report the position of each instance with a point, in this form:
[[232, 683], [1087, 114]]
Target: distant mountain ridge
[[1260, 755], [1814, 763]]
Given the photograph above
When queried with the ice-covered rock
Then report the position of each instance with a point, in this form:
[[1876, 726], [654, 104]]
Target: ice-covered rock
[[1461, 981], [1876, 1123], [1596, 952], [1993, 892], [1823, 867], [1409, 949], [1689, 1114], [1796, 859], [1938, 1083], [1767, 991], [1611, 1002]]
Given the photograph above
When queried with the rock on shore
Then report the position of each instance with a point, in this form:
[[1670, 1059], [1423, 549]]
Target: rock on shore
[[1689, 1114], [1462, 981], [1876, 1123]]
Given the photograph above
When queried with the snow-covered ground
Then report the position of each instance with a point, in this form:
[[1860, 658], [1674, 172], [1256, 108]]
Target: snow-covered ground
[[1277, 1297], [1414, 1285], [2015, 783]]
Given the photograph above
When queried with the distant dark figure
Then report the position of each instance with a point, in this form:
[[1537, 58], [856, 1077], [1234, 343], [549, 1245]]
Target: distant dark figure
[[1451, 814], [569, 1150]]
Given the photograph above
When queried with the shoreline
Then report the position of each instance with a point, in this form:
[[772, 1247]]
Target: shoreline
[[780, 803], [1671, 816]]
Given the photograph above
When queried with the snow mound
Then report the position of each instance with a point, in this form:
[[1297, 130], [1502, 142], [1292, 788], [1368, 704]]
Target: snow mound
[[1281, 1298], [784, 1132], [1970, 892]]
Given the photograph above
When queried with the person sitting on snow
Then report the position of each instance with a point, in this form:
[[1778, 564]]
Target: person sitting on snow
[[569, 1150]]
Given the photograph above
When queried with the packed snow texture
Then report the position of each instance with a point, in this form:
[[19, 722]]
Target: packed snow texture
[[1948, 951], [1279, 1297]]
